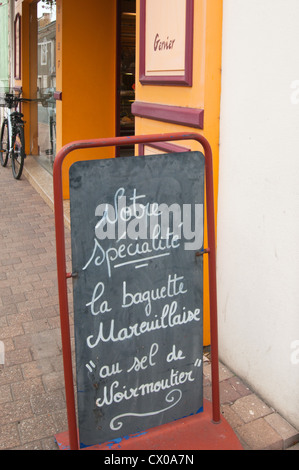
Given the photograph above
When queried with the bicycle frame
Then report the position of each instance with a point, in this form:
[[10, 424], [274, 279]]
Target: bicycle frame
[[14, 147], [14, 121], [11, 125]]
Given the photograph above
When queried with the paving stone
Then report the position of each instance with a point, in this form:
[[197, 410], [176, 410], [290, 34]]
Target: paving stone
[[13, 299], [36, 428], [18, 356], [231, 417], [11, 331], [3, 321], [288, 433], [294, 447], [8, 309], [10, 261], [45, 312], [228, 393], [224, 372], [250, 408], [48, 402], [60, 420], [19, 319], [207, 370], [8, 375], [239, 386], [14, 412], [49, 444], [35, 326], [27, 388], [32, 395], [207, 392], [28, 305], [9, 436], [259, 435], [8, 346], [53, 381], [5, 394], [36, 445], [36, 368]]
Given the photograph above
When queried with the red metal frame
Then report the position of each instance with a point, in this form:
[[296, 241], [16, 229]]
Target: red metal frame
[[62, 275]]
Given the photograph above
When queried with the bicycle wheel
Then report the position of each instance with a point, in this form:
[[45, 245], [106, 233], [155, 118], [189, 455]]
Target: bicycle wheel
[[18, 155], [4, 144]]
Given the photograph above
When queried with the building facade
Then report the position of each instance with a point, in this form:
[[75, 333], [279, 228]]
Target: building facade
[[90, 84], [226, 69]]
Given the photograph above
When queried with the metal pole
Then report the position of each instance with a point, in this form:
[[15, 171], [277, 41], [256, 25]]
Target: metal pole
[[63, 305], [212, 282]]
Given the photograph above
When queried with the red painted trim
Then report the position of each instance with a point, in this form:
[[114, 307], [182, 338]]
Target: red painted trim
[[191, 117], [62, 272], [17, 24], [117, 72], [142, 42], [184, 80], [58, 95], [164, 147]]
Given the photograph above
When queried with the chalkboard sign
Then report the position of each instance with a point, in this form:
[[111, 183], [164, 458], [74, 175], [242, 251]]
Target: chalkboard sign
[[137, 233]]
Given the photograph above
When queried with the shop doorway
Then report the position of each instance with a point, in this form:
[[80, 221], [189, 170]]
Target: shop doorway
[[125, 69]]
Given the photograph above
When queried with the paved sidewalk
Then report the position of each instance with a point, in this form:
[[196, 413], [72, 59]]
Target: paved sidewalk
[[32, 401]]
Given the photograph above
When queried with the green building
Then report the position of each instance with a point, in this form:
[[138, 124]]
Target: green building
[[4, 54]]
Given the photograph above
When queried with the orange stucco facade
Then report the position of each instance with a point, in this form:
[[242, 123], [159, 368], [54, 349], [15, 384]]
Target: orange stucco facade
[[86, 44]]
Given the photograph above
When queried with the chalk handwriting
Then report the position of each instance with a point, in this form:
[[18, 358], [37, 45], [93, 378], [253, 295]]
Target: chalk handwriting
[[175, 355], [96, 296], [174, 287], [156, 309], [169, 398], [169, 318], [145, 361], [136, 250], [113, 394]]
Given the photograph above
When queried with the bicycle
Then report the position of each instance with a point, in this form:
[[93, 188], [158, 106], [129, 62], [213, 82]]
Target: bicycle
[[12, 139], [47, 100]]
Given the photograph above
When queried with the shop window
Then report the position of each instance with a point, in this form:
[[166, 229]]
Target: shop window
[[43, 52], [43, 82]]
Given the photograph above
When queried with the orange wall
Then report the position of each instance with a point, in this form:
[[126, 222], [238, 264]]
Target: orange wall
[[204, 94], [85, 47]]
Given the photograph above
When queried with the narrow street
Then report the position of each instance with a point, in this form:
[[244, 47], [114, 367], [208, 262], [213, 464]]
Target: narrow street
[[32, 404], [32, 399]]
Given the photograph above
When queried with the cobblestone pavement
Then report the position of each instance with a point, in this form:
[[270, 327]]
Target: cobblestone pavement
[[32, 399]]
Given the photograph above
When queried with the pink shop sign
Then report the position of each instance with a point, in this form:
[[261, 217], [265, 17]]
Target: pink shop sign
[[166, 42]]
